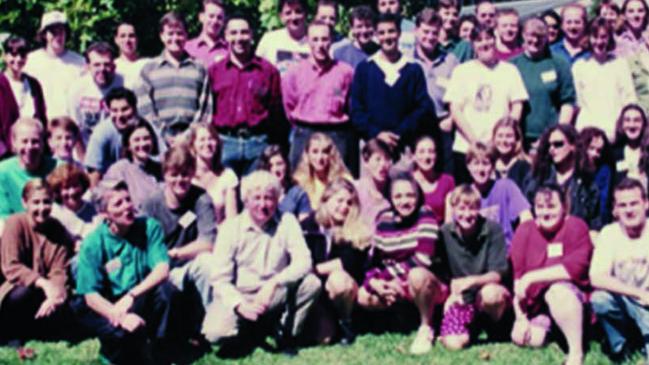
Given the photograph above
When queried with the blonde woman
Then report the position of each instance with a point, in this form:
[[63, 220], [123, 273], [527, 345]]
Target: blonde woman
[[219, 182], [511, 160], [319, 165]]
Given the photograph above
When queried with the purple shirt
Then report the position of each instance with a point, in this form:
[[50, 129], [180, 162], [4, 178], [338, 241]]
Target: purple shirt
[[201, 50], [504, 203], [316, 95], [436, 199], [506, 56]]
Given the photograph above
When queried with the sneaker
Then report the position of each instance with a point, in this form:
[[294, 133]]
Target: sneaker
[[423, 341], [347, 334]]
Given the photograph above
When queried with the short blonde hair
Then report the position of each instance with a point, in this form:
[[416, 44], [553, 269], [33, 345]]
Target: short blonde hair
[[258, 180], [465, 194], [27, 122]]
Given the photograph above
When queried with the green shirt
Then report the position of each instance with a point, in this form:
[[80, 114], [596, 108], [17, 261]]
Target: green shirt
[[460, 48], [111, 265], [549, 84], [13, 178]]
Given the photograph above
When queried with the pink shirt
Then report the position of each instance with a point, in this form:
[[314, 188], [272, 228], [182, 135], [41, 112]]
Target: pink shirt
[[315, 95], [199, 49]]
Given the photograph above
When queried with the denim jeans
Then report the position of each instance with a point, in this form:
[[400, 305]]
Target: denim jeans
[[344, 137], [240, 154], [198, 273]]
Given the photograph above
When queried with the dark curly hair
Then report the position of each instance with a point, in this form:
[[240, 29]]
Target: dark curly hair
[[542, 165], [583, 142]]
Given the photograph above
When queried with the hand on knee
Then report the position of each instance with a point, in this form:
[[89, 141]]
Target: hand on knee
[[492, 295]]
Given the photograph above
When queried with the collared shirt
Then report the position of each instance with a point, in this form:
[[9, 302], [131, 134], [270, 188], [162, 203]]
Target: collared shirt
[[245, 96], [626, 44], [318, 95], [171, 93], [560, 49], [438, 73], [246, 256], [201, 50]]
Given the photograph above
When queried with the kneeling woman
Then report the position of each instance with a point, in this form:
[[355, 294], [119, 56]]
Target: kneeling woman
[[35, 251], [339, 241], [550, 256], [404, 245]]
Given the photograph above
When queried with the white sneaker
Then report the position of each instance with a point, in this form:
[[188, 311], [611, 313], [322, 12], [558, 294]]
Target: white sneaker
[[423, 341]]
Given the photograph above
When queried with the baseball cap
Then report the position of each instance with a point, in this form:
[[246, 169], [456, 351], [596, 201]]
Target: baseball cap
[[52, 18]]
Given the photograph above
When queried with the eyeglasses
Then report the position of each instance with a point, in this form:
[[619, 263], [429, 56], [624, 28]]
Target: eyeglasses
[[557, 144]]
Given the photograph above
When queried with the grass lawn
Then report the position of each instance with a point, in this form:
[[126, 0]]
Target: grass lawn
[[368, 350]]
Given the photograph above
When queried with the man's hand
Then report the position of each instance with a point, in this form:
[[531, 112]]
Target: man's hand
[[250, 310], [521, 286], [265, 294], [51, 290], [391, 139], [124, 304], [47, 308], [386, 290], [458, 286], [644, 299], [446, 124], [131, 322]]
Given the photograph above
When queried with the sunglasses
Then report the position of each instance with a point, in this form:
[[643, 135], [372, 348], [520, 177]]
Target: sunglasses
[[22, 53], [557, 144]]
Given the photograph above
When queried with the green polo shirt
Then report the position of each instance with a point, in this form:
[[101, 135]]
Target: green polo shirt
[[13, 178], [460, 48], [111, 265], [549, 84]]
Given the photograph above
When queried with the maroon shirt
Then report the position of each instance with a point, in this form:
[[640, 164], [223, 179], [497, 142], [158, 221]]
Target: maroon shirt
[[531, 250]]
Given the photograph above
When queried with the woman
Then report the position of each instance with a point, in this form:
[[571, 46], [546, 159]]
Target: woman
[[556, 162], [550, 257], [594, 156], [293, 199], [404, 246], [137, 169], [511, 161], [603, 81], [339, 242], [466, 25], [629, 132], [372, 188], [219, 182], [426, 171], [553, 20], [319, 166], [34, 255], [611, 11], [631, 39], [20, 94]]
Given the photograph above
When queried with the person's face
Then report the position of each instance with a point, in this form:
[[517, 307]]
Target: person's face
[[278, 167], [327, 14], [553, 28], [319, 37], [486, 15], [261, 203], [389, 6], [126, 39], [72, 196], [630, 209], [179, 181], [507, 28], [535, 40], [449, 18], [466, 27], [427, 36], [293, 17], [212, 18], [174, 39], [466, 216], [238, 35], [404, 198], [594, 151], [610, 15], [388, 35], [378, 166], [102, 68], [635, 14], [205, 144], [38, 206], [549, 211], [599, 43], [28, 145], [505, 141], [632, 124], [362, 31], [572, 24], [121, 113], [55, 37], [480, 170], [560, 148], [120, 209], [15, 61], [61, 143], [319, 153], [485, 48], [425, 155], [339, 205], [140, 144]]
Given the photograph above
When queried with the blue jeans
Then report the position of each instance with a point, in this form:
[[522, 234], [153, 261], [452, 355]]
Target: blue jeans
[[240, 154], [617, 313]]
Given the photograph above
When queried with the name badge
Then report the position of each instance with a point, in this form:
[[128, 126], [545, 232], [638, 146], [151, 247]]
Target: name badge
[[621, 166], [549, 76], [555, 250], [187, 219], [113, 265]]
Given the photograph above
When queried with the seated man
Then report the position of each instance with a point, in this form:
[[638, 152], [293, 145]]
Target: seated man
[[619, 270], [272, 259], [475, 258], [125, 298]]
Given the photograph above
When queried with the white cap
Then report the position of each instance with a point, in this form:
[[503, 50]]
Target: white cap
[[52, 18]]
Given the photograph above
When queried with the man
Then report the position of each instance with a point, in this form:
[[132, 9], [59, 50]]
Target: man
[[54, 66], [183, 99], [389, 100], [248, 111], [507, 28], [361, 46], [573, 46], [86, 100], [316, 99], [128, 64], [272, 260], [618, 271], [407, 27], [327, 13], [485, 13], [209, 47], [548, 81], [449, 39], [105, 144], [286, 46]]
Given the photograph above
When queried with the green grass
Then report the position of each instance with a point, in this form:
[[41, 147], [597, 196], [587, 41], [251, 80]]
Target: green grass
[[368, 350]]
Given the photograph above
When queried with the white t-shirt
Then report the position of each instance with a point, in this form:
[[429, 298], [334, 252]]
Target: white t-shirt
[[23, 95], [486, 94], [280, 49], [55, 75], [130, 71]]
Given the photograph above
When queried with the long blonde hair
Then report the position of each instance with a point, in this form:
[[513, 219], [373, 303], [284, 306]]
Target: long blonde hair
[[353, 229], [304, 174], [507, 122]]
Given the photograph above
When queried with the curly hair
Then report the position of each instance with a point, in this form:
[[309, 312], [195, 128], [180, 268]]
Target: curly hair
[[67, 175], [215, 165], [542, 164], [586, 137]]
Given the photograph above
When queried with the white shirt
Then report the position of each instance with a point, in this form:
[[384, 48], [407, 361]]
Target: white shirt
[[280, 49], [23, 95], [130, 71]]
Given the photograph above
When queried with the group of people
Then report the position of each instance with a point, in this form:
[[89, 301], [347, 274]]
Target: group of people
[[475, 172]]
